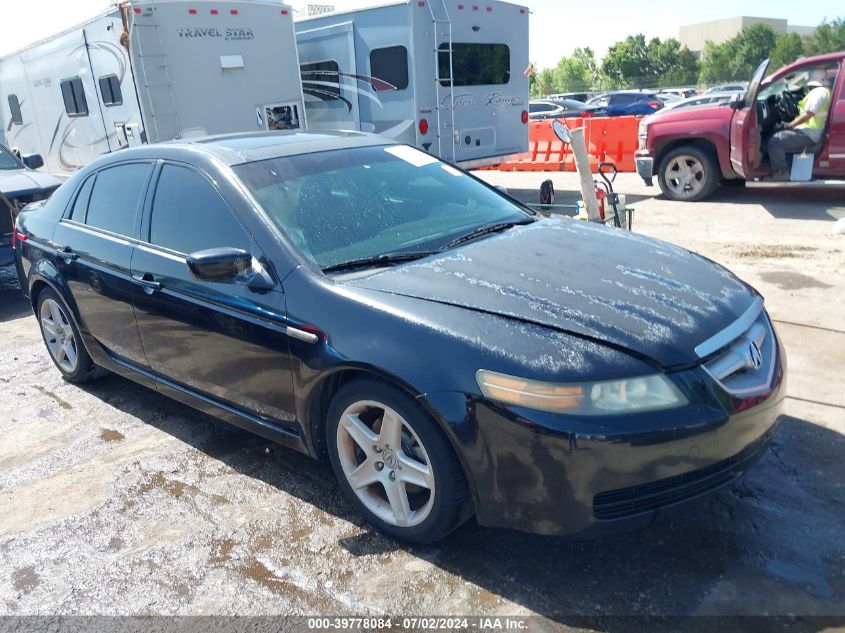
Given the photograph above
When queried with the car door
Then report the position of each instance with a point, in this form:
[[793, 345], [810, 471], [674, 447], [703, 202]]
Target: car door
[[94, 244], [221, 340], [745, 136]]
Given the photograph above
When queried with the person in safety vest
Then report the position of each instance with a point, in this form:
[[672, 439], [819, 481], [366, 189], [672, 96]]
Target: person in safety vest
[[803, 131]]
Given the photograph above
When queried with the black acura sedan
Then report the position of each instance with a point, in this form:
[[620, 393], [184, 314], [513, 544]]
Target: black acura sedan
[[449, 351]]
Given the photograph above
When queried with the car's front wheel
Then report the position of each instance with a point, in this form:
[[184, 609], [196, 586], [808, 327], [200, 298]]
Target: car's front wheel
[[688, 174], [61, 336], [394, 462]]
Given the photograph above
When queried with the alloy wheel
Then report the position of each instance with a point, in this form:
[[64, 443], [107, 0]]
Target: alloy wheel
[[685, 176], [58, 334], [385, 463]]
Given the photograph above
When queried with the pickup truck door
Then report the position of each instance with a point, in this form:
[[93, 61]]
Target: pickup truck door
[[745, 142]]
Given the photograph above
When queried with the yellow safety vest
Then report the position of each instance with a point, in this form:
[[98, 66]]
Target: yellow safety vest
[[819, 118]]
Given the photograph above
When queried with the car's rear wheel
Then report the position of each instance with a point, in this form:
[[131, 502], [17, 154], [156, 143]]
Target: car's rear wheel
[[61, 336], [688, 174], [394, 462]]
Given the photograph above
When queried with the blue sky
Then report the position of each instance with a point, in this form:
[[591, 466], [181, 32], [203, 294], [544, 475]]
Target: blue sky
[[557, 27]]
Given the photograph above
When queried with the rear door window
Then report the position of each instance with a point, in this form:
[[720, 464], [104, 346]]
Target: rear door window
[[475, 64], [189, 214], [80, 205], [116, 198]]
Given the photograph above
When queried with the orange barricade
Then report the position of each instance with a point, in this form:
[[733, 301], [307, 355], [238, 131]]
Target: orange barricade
[[609, 139]]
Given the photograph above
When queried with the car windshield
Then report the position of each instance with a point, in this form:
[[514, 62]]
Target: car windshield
[[348, 205], [7, 161]]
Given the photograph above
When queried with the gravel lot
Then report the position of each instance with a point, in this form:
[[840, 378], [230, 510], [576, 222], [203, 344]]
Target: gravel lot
[[116, 500]]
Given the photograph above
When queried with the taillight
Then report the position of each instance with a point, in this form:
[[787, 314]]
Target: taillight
[[17, 236], [525, 116], [655, 104], [423, 127]]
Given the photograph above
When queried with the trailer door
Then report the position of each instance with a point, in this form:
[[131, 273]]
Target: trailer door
[[330, 77], [481, 89], [113, 82]]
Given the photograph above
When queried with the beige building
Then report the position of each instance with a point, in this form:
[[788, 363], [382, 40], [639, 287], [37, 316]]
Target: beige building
[[693, 36]]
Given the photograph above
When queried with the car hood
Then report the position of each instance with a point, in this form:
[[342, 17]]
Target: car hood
[[21, 181], [699, 114], [648, 297]]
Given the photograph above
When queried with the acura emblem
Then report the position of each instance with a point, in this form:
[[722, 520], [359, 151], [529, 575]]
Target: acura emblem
[[755, 356]]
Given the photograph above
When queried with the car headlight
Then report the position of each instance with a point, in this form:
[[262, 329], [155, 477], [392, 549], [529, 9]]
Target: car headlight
[[607, 397], [642, 134]]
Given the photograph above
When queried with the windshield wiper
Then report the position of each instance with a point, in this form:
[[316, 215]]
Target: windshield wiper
[[378, 260], [485, 230]]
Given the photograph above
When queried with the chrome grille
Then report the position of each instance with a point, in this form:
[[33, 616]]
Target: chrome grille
[[745, 365]]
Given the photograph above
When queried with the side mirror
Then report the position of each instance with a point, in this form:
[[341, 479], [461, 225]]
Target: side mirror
[[561, 131], [219, 264], [737, 101], [33, 161]]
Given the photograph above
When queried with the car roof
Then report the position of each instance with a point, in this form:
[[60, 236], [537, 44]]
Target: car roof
[[246, 147]]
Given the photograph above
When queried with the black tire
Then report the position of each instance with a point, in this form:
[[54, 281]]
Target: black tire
[[451, 504], [706, 178], [85, 369]]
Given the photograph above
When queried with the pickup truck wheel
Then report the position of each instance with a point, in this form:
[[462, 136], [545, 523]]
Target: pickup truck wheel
[[688, 174]]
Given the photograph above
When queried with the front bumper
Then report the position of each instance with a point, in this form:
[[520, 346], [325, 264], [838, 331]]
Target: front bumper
[[587, 476], [645, 166]]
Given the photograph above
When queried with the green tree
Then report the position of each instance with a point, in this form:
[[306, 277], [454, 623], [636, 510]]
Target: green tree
[[829, 37], [637, 63], [544, 83], [788, 48], [737, 58], [627, 63], [673, 64], [577, 72]]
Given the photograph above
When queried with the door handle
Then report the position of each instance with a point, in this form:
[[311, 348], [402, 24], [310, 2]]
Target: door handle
[[66, 253], [146, 282]]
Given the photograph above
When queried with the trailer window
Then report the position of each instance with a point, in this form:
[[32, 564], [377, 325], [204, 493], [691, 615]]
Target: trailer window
[[15, 109], [321, 79], [390, 65], [475, 64], [110, 90], [74, 97]]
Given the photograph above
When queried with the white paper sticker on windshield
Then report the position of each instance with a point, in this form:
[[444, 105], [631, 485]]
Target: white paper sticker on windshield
[[411, 155]]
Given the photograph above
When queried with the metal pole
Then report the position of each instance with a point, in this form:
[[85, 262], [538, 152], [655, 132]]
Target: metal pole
[[582, 165]]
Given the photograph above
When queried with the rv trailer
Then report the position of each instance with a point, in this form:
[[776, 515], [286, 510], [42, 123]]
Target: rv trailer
[[149, 71], [447, 76]]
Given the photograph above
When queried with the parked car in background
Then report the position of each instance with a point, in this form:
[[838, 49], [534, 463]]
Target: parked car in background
[[557, 108], [544, 110], [683, 93], [702, 99], [361, 300], [734, 87], [669, 97], [692, 150], [19, 186], [627, 102], [583, 97]]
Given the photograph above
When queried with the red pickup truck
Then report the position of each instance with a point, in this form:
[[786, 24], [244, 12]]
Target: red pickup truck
[[693, 150]]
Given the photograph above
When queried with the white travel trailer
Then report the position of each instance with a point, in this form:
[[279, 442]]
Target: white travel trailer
[[148, 71], [448, 76]]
